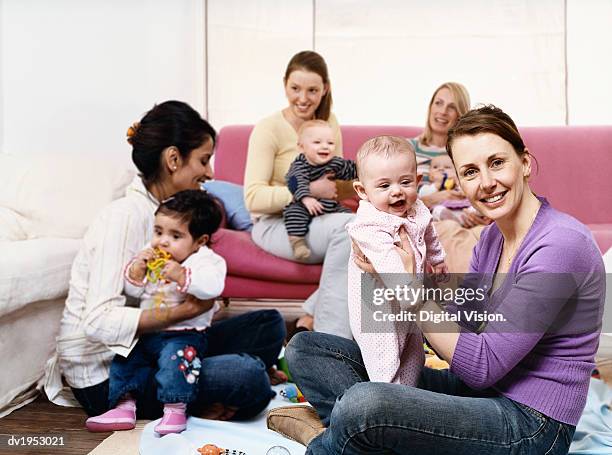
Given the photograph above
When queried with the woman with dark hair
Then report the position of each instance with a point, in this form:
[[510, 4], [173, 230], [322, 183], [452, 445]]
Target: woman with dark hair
[[514, 387], [171, 147], [273, 146]]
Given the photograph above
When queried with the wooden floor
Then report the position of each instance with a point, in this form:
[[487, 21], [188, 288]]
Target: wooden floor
[[42, 418]]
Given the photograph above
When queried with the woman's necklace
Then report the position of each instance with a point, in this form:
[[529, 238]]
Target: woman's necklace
[[520, 243]]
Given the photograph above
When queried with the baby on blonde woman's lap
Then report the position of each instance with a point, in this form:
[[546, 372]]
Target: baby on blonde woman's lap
[[317, 158], [387, 186], [442, 176]]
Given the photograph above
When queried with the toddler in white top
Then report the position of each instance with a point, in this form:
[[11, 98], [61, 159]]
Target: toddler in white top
[[387, 186], [185, 265]]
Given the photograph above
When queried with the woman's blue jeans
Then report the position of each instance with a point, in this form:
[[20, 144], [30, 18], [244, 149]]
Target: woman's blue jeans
[[240, 350], [440, 416]]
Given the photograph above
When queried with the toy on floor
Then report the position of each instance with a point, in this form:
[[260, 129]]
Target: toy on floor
[[293, 394], [432, 360], [211, 449], [278, 450], [282, 365]]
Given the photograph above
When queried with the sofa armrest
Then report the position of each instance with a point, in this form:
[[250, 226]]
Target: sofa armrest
[[33, 270]]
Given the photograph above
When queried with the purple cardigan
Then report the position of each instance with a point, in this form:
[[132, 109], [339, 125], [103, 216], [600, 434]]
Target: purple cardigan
[[548, 372]]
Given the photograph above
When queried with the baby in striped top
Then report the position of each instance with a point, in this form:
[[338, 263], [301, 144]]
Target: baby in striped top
[[317, 158]]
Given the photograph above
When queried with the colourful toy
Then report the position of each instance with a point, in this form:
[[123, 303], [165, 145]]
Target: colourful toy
[[154, 274], [211, 449], [156, 265], [293, 394], [282, 365], [428, 350], [448, 183]]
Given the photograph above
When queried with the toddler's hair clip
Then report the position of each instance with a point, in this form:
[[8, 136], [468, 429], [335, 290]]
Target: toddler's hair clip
[[131, 131]]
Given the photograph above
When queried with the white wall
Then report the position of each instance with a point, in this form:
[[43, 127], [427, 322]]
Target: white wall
[[74, 75], [249, 45], [388, 56], [1, 81], [589, 53], [77, 74]]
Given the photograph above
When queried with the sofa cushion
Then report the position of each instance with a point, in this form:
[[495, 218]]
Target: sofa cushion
[[237, 287], [59, 195], [231, 196], [32, 270], [11, 225], [246, 259]]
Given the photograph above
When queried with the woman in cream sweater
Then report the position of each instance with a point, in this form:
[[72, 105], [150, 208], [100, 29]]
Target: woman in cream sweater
[[272, 149]]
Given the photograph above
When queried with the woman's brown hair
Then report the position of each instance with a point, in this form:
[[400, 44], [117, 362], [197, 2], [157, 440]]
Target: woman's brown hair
[[312, 62], [486, 119]]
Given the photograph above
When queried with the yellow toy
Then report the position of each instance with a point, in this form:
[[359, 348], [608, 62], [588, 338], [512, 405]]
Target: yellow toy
[[448, 183], [156, 265], [154, 274]]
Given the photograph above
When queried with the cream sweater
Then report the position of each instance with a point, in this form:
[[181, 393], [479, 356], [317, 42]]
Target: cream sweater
[[272, 149]]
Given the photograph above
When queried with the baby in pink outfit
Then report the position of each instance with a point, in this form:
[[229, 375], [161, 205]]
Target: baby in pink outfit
[[387, 186]]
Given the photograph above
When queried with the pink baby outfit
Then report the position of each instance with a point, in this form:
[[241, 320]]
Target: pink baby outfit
[[394, 352]]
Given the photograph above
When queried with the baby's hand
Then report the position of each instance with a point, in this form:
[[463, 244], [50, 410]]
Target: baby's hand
[[440, 271], [437, 180], [313, 206], [173, 271], [138, 269]]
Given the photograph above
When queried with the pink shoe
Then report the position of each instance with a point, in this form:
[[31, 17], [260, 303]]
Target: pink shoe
[[174, 419], [123, 417]]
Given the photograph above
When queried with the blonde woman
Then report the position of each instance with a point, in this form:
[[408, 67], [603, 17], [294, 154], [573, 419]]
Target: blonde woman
[[449, 102]]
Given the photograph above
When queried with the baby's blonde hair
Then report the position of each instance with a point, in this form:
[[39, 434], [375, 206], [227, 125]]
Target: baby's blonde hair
[[385, 146], [311, 124]]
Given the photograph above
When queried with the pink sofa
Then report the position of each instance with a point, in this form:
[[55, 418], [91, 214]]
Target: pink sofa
[[575, 175]]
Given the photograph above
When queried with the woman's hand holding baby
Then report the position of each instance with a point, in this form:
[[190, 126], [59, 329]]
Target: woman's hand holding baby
[[404, 249], [324, 188], [441, 274]]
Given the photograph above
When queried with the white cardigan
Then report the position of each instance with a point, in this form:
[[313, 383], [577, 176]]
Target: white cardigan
[[96, 324]]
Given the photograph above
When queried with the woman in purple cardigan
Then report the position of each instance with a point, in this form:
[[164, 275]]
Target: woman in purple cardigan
[[514, 387]]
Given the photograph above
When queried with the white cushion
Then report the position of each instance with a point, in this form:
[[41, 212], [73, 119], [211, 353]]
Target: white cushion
[[32, 270], [11, 225], [59, 195]]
